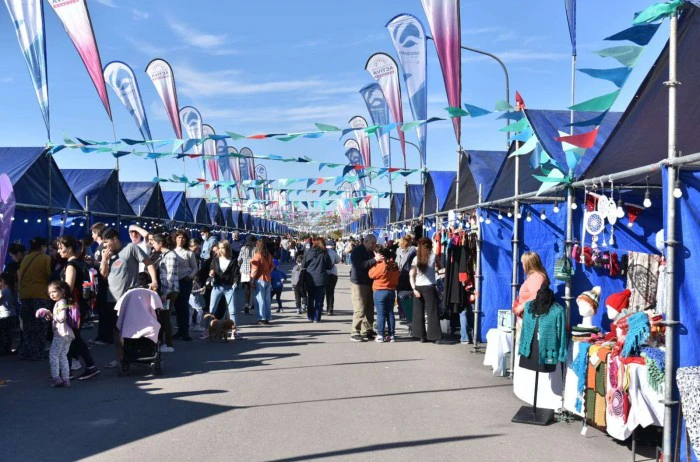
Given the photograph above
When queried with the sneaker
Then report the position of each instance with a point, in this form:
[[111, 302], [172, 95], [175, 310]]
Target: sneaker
[[56, 383], [89, 373], [371, 335], [112, 364], [356, 338], [66, 383], [379, 339], [204, 336], [465, 342], [75, 365], [166, 349], [392, 339], [198, 329]]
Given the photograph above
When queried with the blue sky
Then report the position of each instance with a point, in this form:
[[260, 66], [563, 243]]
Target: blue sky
[[279, 66]]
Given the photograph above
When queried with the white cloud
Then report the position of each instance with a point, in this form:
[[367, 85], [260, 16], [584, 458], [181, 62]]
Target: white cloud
[[195, 38], [140, 15], [221, 83], [109, 3], [145, 47], [7, 79]]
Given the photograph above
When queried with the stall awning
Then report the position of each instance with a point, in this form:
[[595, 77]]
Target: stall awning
[[198, 208], [177, 207], [145, 198], [396, 211], [439, 191], [100, 187]]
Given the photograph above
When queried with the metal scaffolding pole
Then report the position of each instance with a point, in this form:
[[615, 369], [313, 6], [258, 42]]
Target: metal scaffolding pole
[[671, 302], [477, 284]]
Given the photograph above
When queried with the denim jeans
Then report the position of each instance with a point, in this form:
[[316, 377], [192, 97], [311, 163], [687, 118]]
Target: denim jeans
[[384, 302], [263, 296], [463, 326], [316, 296], [229, 294]]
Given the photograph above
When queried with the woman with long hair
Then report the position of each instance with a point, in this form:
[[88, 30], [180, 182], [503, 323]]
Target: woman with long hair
[[187, 271], [422, 277], [33, 277], [405, 254], [75, 273], [244, 258], [261, 265], [386, 278], [226, 276], [317, 263], [535, 276]]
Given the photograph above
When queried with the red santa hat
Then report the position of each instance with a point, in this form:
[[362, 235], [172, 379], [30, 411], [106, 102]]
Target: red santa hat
[[633, 211], [619, 301]]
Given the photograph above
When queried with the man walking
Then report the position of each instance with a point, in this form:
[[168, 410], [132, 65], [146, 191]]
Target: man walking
[[362, 259]]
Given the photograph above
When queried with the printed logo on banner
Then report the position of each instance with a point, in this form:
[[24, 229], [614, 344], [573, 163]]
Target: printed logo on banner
[[379, 66]]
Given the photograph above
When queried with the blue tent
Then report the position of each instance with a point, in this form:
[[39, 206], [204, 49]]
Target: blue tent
[[96, 189], [215, 214], [546, 124], [29, 170], [477, 168], [380, 218], [228, 217], [414, 201], [439, 191], [145, 198], [247, 221], [496, 268], [396, 207], [641, 137], [198, 208], [177, 207], [237, 219]]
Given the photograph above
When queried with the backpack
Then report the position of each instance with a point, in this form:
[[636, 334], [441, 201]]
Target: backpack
[[73, 317]]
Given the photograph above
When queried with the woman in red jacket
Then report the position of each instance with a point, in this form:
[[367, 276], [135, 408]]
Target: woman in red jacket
[[386, 279]]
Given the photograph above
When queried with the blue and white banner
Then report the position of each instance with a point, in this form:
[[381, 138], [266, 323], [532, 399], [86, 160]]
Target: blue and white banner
[[28, 19], [121, 79], [191, 119], [379, 113], [408, 35], [224, 166]]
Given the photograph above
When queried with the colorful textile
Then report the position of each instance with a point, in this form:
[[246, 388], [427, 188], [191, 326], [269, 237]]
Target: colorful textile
[[688, 380], [553, 341], [637, 334], [643, 279], [655, 359], [580, 366]]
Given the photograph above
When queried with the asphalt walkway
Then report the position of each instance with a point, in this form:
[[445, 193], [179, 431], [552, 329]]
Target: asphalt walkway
[[292, 390]]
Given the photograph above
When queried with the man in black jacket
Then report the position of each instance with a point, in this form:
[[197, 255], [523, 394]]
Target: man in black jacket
[[362, 259]]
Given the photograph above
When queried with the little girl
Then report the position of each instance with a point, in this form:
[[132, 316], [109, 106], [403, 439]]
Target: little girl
[[197, 307], [60, 293]]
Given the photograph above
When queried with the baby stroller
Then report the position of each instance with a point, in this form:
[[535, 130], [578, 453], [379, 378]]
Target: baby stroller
[[138, 327]]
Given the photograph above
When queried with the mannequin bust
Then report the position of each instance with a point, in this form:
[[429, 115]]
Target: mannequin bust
[[588, 306]]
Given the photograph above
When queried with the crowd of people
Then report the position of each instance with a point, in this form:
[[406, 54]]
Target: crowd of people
[[52, 293]]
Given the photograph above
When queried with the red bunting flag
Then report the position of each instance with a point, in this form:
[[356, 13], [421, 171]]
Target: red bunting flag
[[519, 102], [320, 181], [584, 140], [261, 136]]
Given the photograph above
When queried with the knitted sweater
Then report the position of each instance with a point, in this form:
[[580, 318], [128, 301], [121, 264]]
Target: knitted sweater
[[553, 342]]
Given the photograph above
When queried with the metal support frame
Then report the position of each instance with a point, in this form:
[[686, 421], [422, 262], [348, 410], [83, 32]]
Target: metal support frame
[[477, 284]]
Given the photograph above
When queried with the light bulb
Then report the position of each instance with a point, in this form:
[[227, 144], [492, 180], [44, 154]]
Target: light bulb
[[13, 219], [647, 200], [555, 209], [510, 214], [620, 212], [574, 206], [543, 216], [520, 215], [488, 220], [38, 220], [481, 218], [677, 193], [500, 216], [26, 221], [529, 217]]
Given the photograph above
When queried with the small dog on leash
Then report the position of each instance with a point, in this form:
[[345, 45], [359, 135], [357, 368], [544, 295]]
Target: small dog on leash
[[219, 329]]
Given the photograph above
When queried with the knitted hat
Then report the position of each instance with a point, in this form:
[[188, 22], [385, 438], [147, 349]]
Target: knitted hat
[[618, 302], [614, 265], [588, 301]]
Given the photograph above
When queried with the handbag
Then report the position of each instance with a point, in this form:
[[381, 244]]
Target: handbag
[[563, 268]]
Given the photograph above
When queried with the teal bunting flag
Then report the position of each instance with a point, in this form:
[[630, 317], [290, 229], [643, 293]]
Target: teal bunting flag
[[518, 126], [597, 104], [641, 34], [526, 148], [618, 75], [503, 106], [475, 111], [657, 11], [625, 55]]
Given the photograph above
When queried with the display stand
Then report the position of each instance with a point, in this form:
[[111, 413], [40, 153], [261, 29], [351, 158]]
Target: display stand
[[533, 415]]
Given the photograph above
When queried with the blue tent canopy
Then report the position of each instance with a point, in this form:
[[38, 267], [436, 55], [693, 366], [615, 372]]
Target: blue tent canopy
[[484, 166], [396, 207], [237, 219], [145, 198], [28, 169], [99, 187], [228, 217], [414, 201], [380, 218], [215, 214], [545, 123], [439, 191], [641, 137], [198, 208], [177, 207], [247, 221], [548, 124]]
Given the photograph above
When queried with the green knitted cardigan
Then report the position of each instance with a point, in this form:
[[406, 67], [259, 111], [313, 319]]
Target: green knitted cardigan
[[553, 338]]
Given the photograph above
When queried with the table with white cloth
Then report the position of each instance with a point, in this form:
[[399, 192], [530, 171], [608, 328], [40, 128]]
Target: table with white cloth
[[498, 344]]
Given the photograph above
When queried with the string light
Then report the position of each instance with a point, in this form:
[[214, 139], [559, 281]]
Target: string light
[[488, 220], [620, 208], [555, 209], [529, 216], [647, 196], [677, 193], [26, 221], [481, 218], [510, 213], [500, 215], [38, 220], [543, 216], [520, 215], [573, 205]]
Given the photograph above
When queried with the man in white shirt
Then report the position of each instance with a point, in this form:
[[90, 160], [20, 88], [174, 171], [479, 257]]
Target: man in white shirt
[[138, 237]]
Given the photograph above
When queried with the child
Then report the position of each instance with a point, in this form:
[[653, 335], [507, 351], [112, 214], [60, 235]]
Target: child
[[197, 306], [8, 313], [144, 280], [277, 277], [386, 280], [298, 285], [60, 293]]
